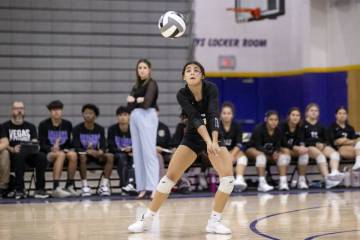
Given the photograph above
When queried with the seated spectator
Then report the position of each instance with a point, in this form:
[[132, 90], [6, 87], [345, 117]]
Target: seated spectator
[[294, 144], [232, 134], [55, 141], [316, 140], [120, 148], [23, 150], [89, 143], [163, 145], [265, 144], [4, 162], [344, 139]]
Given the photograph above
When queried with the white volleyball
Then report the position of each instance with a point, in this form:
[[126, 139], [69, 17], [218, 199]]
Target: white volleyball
[[172, 24]]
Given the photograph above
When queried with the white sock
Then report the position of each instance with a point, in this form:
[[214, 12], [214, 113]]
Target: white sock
[[262, 180], [84, 183], [283, 179], [104, 181], [302, 179], [357, 161], [215, 216], [240, 178], [149, 213], [335, 171]]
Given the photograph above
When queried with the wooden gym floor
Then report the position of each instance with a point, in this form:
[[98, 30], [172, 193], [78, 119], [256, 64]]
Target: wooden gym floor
[[301, 215]]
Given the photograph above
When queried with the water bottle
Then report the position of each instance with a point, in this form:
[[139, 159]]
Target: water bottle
[[212, 178]]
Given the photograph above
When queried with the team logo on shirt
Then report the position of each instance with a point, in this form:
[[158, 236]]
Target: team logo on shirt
[[344, 134], [290, 141], [203, 115], [88, 140], [314, 134], [228, 142], [54, 135], [21, 135], [161, 133], [122, 142]]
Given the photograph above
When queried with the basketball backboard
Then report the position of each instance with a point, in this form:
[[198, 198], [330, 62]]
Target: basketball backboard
[[254, 10]]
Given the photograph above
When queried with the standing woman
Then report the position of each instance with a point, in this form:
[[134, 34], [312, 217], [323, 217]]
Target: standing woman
[[265, 144], [294, 144], [143, 128], [317, 143], [343, 137], [199, 100]]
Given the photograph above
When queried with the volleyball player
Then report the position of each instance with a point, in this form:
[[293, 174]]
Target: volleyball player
[[199, 100], [232, 134], [265, 144], [294, 144], [343, 138], [316, 141]]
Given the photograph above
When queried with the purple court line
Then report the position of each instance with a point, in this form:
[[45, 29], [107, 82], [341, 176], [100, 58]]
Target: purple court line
[[256, 221], [331, 233]]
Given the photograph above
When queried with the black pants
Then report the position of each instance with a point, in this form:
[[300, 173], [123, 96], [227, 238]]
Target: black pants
[[125, 168], [35, 160]]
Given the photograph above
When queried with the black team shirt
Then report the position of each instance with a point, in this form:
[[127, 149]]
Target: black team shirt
[[84, 137], [117, 139], [48, 135], [262, 141], [2, 132], [204, 112], [336, 132], [19, 133], [291, 139], [314, 134], [232, 138]]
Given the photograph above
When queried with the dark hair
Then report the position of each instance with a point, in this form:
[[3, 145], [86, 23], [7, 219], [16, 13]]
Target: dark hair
[[202, 69], [139, 82], [310, 105], [229, 105], [92, 107], [270, 113], [56, 104], [121, 110], [341, 108]]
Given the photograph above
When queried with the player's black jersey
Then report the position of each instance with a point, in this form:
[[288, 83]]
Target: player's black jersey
[[203, 112], [262, 141], [291, 139], [314, 134], [233, 137], [336, 132]]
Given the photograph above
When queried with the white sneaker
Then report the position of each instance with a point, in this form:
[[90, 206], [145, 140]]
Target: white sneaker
[[302, 185], [141, 225], [217, 227], [129, 189], [104, 191], [283, 186], [331, 183], [239, 185], [60, 193], [86, 191], [265, 187], [72, 191], [356, 166], [336, 176]]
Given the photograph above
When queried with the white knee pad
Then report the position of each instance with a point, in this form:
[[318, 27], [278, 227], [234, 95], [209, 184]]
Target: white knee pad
[[226, 184], [242, 161], [165, 185], [260, 161], [335, 156], [303, 160], [357, 146], [284, 160], [320, 159]]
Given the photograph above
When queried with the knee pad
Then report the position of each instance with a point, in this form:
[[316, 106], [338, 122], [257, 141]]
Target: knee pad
[[284, 160], [303, 160], [165, 185], [242, 161], [320, 159], [226, 184], [357, 146], [260, 161], [335, 156]]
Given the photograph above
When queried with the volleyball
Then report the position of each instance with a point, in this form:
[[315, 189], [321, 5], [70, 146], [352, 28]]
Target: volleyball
[[172, 24]]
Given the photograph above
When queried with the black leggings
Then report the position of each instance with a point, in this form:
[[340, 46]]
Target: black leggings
[[125, 168], [35, 160]]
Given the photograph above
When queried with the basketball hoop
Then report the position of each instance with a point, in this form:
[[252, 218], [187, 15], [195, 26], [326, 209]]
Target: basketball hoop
[[255, 12]]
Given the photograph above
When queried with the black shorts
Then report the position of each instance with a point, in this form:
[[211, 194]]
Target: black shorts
[[197, 144]]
